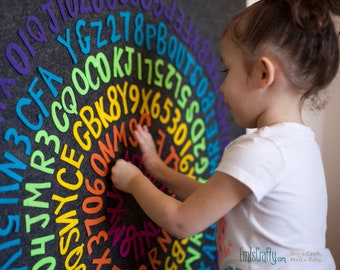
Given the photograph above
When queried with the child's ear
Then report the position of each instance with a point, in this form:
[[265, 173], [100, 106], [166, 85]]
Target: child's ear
[[267, 72]]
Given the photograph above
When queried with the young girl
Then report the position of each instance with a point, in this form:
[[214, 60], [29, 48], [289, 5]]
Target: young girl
[[268, 194]]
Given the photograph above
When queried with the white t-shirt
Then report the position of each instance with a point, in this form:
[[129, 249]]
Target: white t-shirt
[[282, 223]]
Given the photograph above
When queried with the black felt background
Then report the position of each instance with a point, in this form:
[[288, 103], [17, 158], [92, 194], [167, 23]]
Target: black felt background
[[19, 241]]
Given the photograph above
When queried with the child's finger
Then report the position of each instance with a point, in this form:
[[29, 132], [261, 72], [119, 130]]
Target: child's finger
[[142, 134], [146, 129]]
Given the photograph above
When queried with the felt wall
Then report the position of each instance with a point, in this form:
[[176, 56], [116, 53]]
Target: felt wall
[[76, 76]]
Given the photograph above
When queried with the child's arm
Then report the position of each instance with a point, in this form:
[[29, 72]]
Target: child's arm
[[178, 183], [203, 207]]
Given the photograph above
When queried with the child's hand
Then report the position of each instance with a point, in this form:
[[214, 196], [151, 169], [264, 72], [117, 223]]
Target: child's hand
[[151, 160], [123, 174], [145, 140]]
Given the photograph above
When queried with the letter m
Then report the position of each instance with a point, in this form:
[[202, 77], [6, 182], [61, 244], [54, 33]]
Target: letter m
[[66, 219], [7, 168], [32, 201]]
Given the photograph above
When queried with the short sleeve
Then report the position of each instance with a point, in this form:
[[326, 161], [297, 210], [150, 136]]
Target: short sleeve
[[255, 161]]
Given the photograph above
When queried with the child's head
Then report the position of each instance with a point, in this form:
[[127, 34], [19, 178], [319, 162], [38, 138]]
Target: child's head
[[301, 33]]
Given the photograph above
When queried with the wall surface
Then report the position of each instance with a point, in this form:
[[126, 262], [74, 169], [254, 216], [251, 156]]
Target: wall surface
[[331, 151], [326, 126]]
